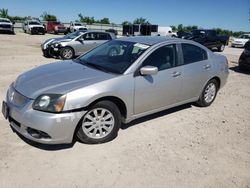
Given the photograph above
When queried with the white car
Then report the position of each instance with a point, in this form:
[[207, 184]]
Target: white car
[[241, 40], [6, 25], [33, 27], [166, 31], [75, 26]]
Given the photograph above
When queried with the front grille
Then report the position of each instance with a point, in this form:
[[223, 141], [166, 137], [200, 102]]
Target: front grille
[[5, 26], [38, 29], [16, 98]]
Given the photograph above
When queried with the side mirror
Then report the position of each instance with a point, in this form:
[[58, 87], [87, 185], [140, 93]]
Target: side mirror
[[148, 70], [81, 40], [13, 23]]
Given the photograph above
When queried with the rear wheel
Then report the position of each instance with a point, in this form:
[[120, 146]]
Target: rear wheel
[[67, 53], [208, 94], [100, 124]]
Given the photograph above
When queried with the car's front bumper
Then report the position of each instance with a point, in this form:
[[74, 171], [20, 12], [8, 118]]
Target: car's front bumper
[[51, 51], [43, 127], [238, 44], [36, 30]]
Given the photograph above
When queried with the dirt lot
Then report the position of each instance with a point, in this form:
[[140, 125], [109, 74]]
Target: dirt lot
[[186, 146]]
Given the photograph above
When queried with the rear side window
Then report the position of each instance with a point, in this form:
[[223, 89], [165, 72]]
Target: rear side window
[[192, 53], [103, 36]]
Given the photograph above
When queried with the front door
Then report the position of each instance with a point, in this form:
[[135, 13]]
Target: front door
[[163, 89]]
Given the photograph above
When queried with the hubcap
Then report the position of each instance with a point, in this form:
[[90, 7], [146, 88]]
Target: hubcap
[[67, 53], [210, 93], [98, 123]]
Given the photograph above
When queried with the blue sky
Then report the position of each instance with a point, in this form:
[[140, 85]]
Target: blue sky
[[227, 14]]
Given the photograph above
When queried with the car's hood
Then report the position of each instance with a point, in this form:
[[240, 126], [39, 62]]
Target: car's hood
[[31, 26], [55, 40], [5, 23], [58, 78]]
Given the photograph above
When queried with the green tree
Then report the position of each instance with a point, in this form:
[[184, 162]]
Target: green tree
[[104, 21], [48, 17], [126, 23], [86, 19], [4, 13], [141, 20], [173, 28], [180, 27]]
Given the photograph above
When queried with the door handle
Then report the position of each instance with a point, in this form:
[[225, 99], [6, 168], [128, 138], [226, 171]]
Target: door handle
[[176, 74], [207, 66]]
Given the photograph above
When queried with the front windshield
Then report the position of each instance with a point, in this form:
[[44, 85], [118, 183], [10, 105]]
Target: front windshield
[[5, 21], [74, 34], [244, 36], [198, 33], [114, 56], [34, 23], [78, 24]]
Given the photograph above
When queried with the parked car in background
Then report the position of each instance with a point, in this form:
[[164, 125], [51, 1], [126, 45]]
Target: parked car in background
[[33, 27], [241, 40], [74, 44], [56, 27], [89, 97], [244, 61], [75, 26], [112, 31], [210, 39], [184, 35], [6, 25], [166, 31]]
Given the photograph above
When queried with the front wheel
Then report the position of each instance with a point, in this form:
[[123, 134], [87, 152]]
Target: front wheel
[[221, 48], [100, 124], [208, 94], [67, 53]]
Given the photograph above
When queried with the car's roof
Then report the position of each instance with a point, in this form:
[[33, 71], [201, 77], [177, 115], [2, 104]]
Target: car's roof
[[149, 40]]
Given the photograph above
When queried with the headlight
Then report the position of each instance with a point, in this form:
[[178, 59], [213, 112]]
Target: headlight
[[50, 103]]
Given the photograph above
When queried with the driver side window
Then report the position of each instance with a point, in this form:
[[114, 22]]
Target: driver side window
[[88, 36], [163, 58]]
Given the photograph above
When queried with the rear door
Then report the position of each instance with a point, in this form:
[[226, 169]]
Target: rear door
[[196, 70]]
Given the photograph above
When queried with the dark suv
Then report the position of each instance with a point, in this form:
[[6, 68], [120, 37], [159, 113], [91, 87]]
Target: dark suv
[[244, 61]]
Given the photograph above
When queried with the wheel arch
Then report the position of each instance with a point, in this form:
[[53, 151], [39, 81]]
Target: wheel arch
[[119, 102]]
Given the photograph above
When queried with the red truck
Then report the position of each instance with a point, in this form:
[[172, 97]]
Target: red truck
[[56, 27]]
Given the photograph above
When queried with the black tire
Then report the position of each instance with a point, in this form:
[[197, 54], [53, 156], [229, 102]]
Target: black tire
[[202, 102], [221, 48], [63, 51], [111, 107]]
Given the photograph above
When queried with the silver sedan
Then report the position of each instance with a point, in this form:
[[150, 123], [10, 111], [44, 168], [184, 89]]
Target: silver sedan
[[91, 96], [74, 44]]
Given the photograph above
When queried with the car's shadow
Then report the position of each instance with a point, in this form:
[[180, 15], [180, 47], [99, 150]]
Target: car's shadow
[[237, 69], [156, 115], [56, 147]]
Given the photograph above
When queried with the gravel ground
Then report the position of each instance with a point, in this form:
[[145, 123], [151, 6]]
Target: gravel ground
[[186, 146]]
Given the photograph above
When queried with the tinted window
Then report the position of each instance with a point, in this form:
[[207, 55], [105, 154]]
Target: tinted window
[[192, 53], [164, 57], [103, 36], [89, 36]]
